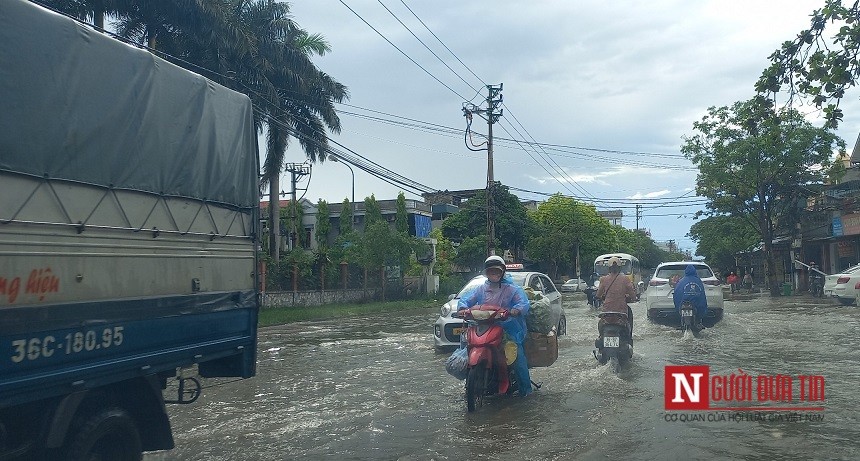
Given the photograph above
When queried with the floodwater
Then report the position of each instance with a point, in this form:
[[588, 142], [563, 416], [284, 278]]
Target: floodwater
[[375, 388]]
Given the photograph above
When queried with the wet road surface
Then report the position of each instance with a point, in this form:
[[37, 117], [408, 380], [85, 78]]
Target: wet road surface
[[375, 388]]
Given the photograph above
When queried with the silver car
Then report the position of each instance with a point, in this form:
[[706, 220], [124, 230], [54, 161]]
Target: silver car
[[447, 330]]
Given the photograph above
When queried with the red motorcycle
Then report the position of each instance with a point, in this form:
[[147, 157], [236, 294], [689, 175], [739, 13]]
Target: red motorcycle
[[488, 372]]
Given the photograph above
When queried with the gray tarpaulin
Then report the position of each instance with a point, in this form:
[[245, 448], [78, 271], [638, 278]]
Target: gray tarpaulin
[[78, 105]]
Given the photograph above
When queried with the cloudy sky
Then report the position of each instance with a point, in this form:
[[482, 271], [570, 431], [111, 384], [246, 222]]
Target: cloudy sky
[[608, 89]]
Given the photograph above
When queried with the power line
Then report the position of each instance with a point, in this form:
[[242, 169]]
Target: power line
[[401, 51]]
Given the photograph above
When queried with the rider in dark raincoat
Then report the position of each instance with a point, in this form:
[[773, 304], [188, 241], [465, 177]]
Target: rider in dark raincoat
[[690, 288]]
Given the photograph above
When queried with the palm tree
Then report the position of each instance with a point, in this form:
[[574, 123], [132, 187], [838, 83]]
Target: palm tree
[[304, 105], [251, 46]]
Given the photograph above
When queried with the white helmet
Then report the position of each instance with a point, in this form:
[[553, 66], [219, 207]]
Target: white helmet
[[495, 261]]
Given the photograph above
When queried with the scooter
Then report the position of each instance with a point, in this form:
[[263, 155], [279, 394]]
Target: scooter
[[614, 345], [689, 319], [816, 286], [488, 371], [591, 293]]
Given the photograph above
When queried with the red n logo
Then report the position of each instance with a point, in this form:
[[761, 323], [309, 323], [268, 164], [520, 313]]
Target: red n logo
[[686, 387]]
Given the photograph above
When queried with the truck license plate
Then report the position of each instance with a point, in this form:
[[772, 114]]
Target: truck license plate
[[611, 341]]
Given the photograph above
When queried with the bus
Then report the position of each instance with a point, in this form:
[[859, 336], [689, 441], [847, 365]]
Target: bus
[[629, 267]]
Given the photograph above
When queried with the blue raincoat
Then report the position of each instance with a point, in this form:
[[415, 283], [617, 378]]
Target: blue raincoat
[[690, 288], [508, 295]]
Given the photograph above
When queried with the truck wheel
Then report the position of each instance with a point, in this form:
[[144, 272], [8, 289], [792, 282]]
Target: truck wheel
[[109, 434]]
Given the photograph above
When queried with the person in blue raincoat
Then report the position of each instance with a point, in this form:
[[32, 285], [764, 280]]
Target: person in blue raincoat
[[500, 290], [690, 288]]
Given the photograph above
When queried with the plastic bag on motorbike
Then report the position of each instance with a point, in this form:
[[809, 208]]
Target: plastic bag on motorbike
[[539, 318], [457, 365]]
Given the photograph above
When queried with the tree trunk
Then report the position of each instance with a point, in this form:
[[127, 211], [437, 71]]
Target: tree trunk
[[382, 281]]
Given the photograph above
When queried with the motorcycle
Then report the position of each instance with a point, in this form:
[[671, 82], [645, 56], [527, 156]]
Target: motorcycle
[[689, 319], [488, 372], [591, 293], [816, 285], [614, 345]]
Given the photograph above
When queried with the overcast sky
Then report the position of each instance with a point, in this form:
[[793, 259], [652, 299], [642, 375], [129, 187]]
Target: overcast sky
[[612, 86]]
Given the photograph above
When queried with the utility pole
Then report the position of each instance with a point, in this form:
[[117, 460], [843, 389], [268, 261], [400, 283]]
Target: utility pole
[[494, 98], [297, 170], [638, 215]]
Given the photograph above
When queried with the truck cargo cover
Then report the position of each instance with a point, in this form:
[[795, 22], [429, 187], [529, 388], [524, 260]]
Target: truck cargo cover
[[77, 105]]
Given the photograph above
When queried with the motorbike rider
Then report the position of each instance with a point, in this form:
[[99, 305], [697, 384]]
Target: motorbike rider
[[590, 283], [814, 276], [616, 290], [690, 288], [500, 290]]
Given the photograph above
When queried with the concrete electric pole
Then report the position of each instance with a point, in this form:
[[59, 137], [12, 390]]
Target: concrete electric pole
[[494, 98]]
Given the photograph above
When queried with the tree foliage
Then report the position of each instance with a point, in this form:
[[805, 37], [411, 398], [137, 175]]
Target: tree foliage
[[719, 238], [754, 163], [640, 245], [372, 211], [563, 227], [814, 65], [401, 218], [512, 221], [323, 226]]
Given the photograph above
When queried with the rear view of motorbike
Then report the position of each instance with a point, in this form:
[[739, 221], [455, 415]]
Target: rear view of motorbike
[[614, 346], [689, 320]]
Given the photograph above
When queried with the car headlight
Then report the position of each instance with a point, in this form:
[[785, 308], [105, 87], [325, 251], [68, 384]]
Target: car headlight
[[445, 310]]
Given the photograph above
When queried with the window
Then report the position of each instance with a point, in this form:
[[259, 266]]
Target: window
[[547, 285], [535, 284]]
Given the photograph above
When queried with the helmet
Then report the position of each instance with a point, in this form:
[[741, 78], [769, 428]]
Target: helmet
[[614, 261], [495, 261]]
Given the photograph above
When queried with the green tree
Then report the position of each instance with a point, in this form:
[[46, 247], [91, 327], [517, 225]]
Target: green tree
[[719, 238], [815, 65], [565, 228], [401, 219], [379, 246], [372, 211], [512, 221], [293, 216], [471, 252], [753, 163], [323, 228], [345, 221], [323, 225], [640, 245]]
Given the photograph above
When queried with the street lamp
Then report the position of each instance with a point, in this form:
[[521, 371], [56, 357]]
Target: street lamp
[[334, 159]]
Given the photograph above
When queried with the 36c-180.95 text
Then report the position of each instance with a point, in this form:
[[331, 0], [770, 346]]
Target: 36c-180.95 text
[[72, 343]]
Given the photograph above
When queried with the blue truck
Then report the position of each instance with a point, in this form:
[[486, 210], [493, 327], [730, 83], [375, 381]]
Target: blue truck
[[129, 216]]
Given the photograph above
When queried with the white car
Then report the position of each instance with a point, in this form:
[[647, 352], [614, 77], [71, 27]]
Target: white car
[[844, 286], [572, 285], [659, 294], [447, 330]]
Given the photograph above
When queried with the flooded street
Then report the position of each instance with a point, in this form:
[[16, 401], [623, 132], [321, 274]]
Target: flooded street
[[375, 388]]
